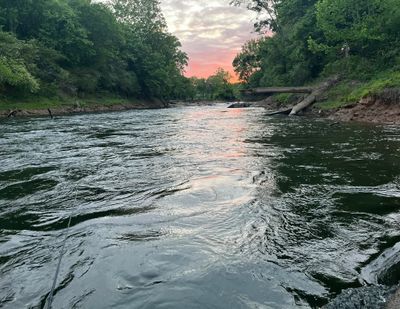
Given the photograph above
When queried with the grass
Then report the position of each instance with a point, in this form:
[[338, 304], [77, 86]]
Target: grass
[[349, 92], [29, 103], [337, 95], [37, 103], [376, 85], [283, 98]]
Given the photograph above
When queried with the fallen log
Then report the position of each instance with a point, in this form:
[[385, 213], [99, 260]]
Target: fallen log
[[12, 114], [271, 90], [309, 100], [239, 105], [282, 112], [303, 104]]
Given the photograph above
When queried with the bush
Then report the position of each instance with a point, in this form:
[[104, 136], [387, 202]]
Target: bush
[[15, 74], [376, 86], [352, 67]]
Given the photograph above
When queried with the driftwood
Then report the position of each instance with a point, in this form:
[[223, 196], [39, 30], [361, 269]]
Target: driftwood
[[309, 100], [282, 112], [50, 113], [239, 105], [12, 114], [271, 90], [303, 104]]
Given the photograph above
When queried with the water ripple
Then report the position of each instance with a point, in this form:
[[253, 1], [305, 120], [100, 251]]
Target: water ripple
[[195, 207]]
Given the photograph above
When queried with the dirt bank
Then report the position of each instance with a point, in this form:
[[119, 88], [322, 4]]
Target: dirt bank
[[368, 110], [69, 110], [383, 108]]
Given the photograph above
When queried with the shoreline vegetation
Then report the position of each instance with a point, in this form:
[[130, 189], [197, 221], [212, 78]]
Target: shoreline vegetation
[[57, 53], [61, 57], [74, 56], [308, 42], [381, 107], [374, 101], [54, 107]]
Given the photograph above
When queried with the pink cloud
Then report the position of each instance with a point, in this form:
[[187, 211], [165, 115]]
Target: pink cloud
[[204, 64], [211, 32]]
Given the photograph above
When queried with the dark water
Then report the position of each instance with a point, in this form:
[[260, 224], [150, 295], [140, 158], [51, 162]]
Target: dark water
[[199, 207]]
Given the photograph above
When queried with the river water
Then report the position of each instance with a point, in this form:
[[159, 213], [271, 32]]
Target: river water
[[195, 207]]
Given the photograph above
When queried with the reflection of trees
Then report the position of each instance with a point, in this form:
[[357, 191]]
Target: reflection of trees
[[326, 217]]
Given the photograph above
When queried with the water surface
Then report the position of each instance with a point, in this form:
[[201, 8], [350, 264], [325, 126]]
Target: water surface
[[197, 207]]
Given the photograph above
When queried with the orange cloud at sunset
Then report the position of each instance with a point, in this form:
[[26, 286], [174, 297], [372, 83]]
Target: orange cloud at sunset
[[204, 64], [212, 32]]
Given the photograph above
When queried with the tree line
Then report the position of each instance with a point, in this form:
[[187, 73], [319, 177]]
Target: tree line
[[81, 47], [218, 86], [315, 38]]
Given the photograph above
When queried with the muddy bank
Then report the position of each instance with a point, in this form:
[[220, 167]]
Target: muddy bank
[[368, 110], [383, 108], [69, 110]]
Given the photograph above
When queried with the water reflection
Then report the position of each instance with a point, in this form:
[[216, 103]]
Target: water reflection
[[194, 207]]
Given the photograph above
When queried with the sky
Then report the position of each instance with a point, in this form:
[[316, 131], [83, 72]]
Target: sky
[[212, 32]]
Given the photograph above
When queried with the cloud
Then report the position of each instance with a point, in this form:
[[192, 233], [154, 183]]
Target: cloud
[[211, 32]]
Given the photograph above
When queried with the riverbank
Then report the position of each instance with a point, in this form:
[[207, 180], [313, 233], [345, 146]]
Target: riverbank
[[347, 101], [367, 110], [335, 104], [58, 107]]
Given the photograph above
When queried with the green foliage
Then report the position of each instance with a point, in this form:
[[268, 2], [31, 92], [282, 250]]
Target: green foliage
[[80, 47], [285, 57], [375, 86], [37, 102], [283, 98], [248, 60], [350, 21], [201, 88], [267, 8], [153, 53], [350, 92], [316, 38], [15, 74], [338, 96], [352, 67], [16, 65], [219, 85], [358, 23], [215, 87]]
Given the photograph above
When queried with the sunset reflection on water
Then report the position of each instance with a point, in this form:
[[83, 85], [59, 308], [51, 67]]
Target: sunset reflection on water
[[200, 133]]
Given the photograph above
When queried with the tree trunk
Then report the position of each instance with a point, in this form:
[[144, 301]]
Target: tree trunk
[[12, 114], [271, 90], [282, 112], [308, 101], [303, 104]]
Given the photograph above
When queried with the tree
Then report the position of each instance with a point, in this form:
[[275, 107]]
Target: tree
[[52, 22], [248, 61], [358, 23], [219, 85], [16, 64], [80, 47], [266, 9], [284, 57], [152, 53], [144, 16]]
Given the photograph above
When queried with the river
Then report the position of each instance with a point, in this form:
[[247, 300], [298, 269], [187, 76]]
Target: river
[[193, 207]]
